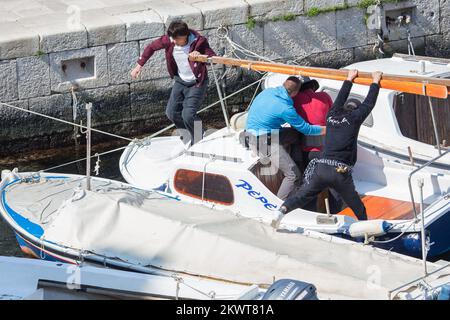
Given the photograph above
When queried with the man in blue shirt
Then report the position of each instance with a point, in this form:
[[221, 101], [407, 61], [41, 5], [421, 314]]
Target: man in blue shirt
[[270, 110]]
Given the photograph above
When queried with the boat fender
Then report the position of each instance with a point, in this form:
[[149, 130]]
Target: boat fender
[[369, 228], [287, 289]]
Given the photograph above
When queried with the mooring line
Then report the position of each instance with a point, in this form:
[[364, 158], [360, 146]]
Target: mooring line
[[136, 141], [64, 121]]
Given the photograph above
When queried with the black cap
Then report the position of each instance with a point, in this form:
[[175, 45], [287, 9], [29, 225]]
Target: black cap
[[308, 83], [351, 104]]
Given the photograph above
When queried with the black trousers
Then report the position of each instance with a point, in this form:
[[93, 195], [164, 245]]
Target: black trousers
[[325, 176], [334, 200], [184, 102]]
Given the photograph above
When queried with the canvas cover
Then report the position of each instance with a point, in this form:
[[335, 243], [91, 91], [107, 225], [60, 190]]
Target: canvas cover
[[148, 228]]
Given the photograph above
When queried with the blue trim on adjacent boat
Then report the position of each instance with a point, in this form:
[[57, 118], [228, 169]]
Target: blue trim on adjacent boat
[[31, 227]]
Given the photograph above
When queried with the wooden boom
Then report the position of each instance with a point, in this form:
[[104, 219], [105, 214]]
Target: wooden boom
[[433, 87]]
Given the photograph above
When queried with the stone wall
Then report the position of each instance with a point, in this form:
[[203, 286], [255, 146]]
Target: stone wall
[[38, 38]]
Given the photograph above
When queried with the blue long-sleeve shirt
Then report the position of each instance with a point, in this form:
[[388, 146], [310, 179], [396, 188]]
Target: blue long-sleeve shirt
[[274, 107]]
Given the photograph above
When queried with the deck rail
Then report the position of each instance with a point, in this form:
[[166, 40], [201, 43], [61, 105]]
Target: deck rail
[[427, 164]]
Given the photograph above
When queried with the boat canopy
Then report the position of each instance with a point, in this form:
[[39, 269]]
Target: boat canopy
[[152, 229]]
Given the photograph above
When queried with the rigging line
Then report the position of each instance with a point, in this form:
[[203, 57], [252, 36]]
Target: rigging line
[[180, 281], [256, 92], [248, 53], [64, 121], [397, 237], [204, 109], [137, 141], [83, 159], [237, 47]]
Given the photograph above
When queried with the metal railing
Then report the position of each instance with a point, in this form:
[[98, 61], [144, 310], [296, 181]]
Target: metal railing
[[417, 280], [417, 170]]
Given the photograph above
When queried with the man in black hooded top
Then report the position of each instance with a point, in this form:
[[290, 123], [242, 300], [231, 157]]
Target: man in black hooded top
[[334, 166]]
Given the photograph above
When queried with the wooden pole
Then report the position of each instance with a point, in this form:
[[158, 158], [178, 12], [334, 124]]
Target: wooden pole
[[432, 87]]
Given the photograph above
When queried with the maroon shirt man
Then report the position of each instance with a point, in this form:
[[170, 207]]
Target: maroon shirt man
[[187, 95]]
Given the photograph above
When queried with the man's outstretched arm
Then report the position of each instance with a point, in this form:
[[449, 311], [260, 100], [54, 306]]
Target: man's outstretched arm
[[297, 122], [369, 102], [345, 90], [148, 52]]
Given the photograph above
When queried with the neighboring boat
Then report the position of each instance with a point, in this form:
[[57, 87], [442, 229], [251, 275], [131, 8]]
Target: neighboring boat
[[382, 132], [119, 226], [32, 279]]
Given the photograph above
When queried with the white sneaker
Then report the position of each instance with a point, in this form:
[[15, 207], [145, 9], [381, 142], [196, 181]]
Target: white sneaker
[[276, 219]]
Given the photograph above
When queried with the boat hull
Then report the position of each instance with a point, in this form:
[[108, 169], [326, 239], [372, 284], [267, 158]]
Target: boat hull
[[410, 243]]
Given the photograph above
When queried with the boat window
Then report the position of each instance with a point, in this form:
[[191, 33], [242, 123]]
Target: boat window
[[368, 122], [414, 117], [218, 188]]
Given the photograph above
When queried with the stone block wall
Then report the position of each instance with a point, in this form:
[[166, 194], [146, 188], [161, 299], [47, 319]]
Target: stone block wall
[[41, 42]]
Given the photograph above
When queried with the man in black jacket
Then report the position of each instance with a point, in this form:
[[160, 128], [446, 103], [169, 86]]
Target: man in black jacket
[[333, 168]]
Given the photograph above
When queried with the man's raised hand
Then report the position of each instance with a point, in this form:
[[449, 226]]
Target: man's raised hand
[[376, 76], [194, 54], [352, 74]]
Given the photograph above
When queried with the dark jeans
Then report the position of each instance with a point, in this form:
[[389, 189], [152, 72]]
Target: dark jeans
[[325, 176], [334, 200], [184, 102]]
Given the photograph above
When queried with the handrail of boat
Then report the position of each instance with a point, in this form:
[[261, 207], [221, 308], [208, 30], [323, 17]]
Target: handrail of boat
[[417, 280], [417, 170]]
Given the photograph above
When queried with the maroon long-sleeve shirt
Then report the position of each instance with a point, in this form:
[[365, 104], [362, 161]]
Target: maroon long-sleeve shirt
[[198, 68]]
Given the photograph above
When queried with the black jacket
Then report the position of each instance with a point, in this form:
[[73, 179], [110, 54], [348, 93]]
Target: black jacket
[[343, 126]]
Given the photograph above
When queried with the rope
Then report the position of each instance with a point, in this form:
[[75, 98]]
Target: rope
[[66, 122], [42, 253], [223, 34], [237, 47], [83, 159], [379, 45], [256, 92], [142, 141], [397, 237], [179, 280]]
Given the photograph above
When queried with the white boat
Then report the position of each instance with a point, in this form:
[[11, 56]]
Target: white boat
[[33, 279], [382, 131], [119, 226], [221, 173]]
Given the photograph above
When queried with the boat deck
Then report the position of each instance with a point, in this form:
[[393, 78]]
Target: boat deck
[[384, 208]]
